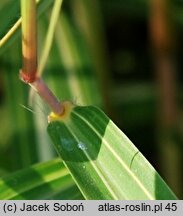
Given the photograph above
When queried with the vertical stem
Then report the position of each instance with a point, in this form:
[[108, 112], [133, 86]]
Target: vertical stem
[[29, 40], [42, 89], [163, 44], [29, 51], [88, 17], [49, 36]]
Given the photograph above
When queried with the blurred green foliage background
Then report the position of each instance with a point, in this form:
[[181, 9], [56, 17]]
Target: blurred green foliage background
[[124, 56]]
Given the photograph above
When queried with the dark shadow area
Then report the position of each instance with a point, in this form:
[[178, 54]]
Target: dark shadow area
[[16, 159], [142, 111]]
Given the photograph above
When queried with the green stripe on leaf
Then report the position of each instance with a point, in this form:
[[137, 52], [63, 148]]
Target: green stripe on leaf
[[51, 179], [103, 161]]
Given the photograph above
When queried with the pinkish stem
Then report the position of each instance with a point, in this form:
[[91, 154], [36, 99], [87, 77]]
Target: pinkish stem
[[45, 93], [28, 74]]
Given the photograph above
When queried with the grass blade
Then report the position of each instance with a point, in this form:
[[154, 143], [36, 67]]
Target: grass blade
[[51, 179], [75, 59], [6, 33], [103, 161], [49, 36]]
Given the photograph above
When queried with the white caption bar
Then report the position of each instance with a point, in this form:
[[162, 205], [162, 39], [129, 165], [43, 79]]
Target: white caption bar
[[97, 208]]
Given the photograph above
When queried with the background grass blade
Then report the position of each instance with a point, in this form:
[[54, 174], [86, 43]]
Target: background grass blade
[[12, 24], [71, 73], [88, 17], [103, 161], [74, 56], [60, 76], [51, 179], [20, 146]]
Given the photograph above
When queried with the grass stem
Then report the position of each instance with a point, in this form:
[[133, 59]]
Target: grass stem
[[49, 36], [45, 93], [29, 52], [29, 41]]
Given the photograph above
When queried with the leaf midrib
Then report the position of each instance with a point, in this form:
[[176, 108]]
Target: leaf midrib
[[117, 157]]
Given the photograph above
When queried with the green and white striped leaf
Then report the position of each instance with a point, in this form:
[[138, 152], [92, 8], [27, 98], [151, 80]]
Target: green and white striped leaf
[[60, 75], [50, 180], [103, 161]]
